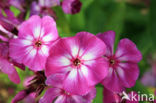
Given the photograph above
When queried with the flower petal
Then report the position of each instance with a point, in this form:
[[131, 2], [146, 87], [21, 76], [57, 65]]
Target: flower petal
[[59, 58], [110, 97], [95, 72], [49, 29], [8, 68], [28, 55], [109, 39], [56, 80], [30, 27], [74, 81], [112, 81], [90, 50], [91, 95], [125, 72], [61, 99], [20, 96], [127, 51], [50, 95]]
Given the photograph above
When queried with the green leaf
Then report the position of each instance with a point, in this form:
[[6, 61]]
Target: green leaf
[[117, 19], [99, 95], [62, 22], [153, 21]]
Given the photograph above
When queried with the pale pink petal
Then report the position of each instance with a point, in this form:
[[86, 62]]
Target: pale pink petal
[[9, 69], [88, 49], [18, 50], [49, 30], [50, 95], [110, 97], [35, 61], [128, 73], [61, 99], [76, 83], [127, 51], [30, 28], [28, 55], [112, 81], [108, 38], [59, 58], [95, 72]]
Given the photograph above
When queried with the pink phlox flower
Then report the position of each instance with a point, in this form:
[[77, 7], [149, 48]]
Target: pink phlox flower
[[123, 67], [57, 94], [35, 38]]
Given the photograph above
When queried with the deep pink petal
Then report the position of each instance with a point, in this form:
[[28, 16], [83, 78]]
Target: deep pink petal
[[128, 73], [112, 81], [71, 6], [110, 97], [8, 68], [4, 50], [127, 51], [20, 96], [109, 39], [50, 95], [21, 66], [91, 95], [30, 98], [56, 80]]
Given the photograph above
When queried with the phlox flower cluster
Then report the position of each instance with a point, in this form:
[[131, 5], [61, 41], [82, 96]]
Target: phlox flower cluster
[[66, 68]]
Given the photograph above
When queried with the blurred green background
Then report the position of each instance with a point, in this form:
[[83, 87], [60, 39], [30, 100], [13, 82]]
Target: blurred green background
[[133, 19]]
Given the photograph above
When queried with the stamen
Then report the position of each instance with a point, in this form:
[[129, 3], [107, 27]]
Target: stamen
[[77, 62], [112, 61], [38, 43]]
